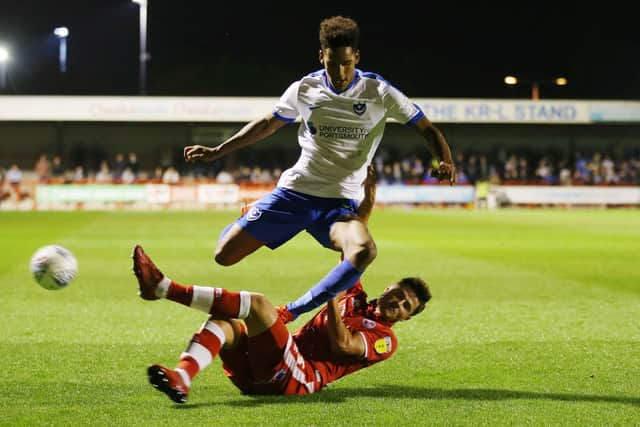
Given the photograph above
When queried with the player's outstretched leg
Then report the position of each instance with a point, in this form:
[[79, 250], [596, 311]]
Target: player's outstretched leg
[[201, 351], [169, 382], [148, 275], [220, 303]]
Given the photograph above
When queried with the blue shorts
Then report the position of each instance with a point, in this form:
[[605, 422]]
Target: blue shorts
[[283, 213]]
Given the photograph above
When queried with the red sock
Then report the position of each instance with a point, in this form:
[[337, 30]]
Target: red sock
[[227, 304], [180, 293], [203, 348], [220, 303]]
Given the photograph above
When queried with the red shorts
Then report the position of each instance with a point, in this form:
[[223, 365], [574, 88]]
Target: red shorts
[[269, 363]]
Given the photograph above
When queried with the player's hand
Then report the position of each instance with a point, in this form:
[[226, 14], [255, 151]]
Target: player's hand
[[445, 172], [371, 178], [195, 153]]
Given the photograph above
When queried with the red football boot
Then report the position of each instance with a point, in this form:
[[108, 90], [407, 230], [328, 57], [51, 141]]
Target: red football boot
[[169, 382], [147, 273]]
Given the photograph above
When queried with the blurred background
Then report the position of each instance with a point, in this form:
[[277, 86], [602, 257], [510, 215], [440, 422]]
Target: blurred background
[[537, 95]]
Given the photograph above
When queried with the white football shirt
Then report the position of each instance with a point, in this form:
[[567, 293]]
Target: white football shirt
[[339, 133]]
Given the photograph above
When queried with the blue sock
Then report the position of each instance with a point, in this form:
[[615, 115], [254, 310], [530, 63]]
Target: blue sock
[[342, 277]]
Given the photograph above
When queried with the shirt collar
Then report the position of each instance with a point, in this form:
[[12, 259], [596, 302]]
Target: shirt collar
[[327, 83]]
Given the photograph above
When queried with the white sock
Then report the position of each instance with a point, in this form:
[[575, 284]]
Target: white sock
[[163, 287], [185, 377]]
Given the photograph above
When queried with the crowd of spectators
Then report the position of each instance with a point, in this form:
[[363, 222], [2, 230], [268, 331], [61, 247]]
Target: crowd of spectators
[[512, 168], [595, 168]]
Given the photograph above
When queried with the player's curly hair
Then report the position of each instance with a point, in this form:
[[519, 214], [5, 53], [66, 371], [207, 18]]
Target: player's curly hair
[[420, 288], [339, 31]]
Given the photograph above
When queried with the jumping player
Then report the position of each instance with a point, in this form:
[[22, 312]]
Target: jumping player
[[343, 113], [259, 354]]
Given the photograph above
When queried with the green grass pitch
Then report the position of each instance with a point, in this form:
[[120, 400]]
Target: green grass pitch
[[534, 321]]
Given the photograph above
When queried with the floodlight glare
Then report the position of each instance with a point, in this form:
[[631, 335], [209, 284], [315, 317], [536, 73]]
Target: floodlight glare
[[561, 81], [510, 80], [61, 31], [4, 58], [144, 55]]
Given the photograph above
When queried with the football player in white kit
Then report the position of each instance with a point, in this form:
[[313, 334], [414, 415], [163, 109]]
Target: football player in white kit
[[343, 113]]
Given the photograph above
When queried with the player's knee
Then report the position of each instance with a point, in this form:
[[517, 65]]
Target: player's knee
[[260, 303], [370, 252], [363, 254], [223, 257]]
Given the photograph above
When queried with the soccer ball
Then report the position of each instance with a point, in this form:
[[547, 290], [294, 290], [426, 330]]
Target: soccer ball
[[53, 267]]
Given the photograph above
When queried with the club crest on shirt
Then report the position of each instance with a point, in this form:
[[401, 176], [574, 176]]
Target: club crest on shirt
[[369, 324], [253, 214], [279, 376], [383, 345], [359, 108]]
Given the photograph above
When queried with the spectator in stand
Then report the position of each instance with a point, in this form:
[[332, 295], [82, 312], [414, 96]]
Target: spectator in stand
[[171, 176], [57, 170], [501, 157], [157, 175], [132, 163], [483, 168], [78, 174], [544, 172], [511, 168], [594, 168], [381, 158], [256, 172], [472, 169], [143, 176], [406, 170], [396, 172], [244, 174], [104, 174], [626, 173], [523, 170], [581, 173], [608, 170], [276, 174], [565, 174], [119, 165], [460, 163], [128, 177], [417, 170], [385, 176], [42, 168], [14, 179], [224, 177], [261, 176], [494, 175]]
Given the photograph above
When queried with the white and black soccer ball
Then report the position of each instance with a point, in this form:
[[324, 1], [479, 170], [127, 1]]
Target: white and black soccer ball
[[53, 267]]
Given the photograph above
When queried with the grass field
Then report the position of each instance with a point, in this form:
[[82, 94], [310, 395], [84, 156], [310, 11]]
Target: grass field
[[534, 321]]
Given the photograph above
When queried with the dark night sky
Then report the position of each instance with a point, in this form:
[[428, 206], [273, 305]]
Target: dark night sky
[[203, 48]]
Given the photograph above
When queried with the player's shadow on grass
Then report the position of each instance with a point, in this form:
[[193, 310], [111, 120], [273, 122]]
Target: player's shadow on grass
[[338, 395]]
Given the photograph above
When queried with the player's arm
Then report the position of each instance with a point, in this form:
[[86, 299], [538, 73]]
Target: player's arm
[[439, 148], [366, 206], [252, 132], [341, 339]]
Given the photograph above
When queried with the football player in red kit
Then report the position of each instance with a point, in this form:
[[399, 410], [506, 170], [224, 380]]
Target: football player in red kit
[[259, 354]]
